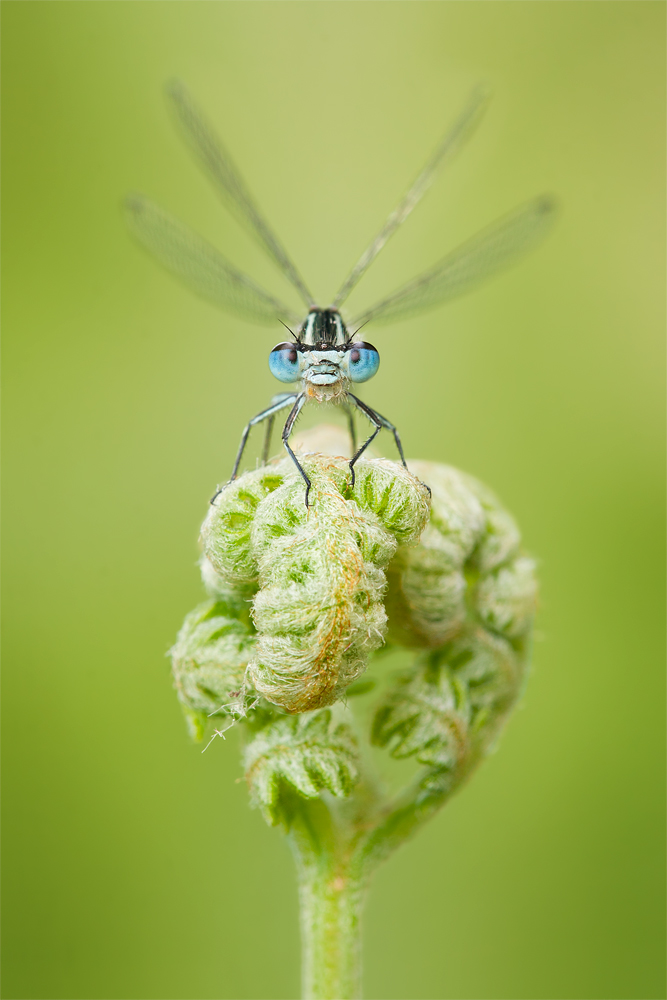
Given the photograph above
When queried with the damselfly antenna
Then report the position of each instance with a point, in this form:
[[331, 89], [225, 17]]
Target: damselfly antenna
[[355, 332], [288, 329]]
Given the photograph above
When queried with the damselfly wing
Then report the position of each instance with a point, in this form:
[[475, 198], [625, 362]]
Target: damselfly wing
[[325, 359]]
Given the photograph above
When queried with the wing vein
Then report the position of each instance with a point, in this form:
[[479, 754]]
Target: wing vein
[[203, 268], [451, 143], [219, 165], [489, 251]]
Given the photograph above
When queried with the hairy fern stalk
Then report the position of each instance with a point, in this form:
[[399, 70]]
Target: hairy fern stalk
[[299, 601]]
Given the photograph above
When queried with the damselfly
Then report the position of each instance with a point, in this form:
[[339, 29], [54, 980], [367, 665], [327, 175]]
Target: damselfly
[[324, 358]]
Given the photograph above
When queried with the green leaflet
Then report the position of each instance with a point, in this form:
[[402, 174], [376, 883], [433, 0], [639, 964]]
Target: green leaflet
[[308, 753], [467, 569], [209, 660], [446, 712], [467, 593], [426, 716], [227, 528]]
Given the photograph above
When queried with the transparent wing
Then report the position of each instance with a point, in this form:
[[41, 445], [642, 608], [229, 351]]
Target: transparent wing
[[452, 142], [489, 251], [220, 166], [200, 265]]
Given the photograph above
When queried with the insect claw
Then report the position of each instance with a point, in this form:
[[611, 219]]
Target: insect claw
[[220, 489]]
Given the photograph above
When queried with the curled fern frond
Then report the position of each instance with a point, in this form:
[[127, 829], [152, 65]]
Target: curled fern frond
[[300, 598], [316, 573], [307, 754]]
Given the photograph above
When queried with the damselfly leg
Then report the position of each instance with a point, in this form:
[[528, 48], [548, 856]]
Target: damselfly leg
[[379, 422], [351, 428], [287, 430], [267, 439], [282, 401], [284, 398]]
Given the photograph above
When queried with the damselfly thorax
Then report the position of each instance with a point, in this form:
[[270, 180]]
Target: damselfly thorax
[[325, 358]]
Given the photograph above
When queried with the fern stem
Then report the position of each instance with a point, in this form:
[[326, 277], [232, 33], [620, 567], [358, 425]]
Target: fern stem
[[331, 897], [330, 903]]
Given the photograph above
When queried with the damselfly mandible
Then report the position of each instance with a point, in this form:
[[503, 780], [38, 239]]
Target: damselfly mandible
[[324, 358]]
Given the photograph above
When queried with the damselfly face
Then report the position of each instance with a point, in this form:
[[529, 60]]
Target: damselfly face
[[324, 359]]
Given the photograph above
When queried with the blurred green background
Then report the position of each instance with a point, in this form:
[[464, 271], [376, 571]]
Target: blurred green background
[[133, 866]]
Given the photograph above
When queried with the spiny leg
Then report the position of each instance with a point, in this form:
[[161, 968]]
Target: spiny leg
[[379, 421], [264, 415], [269, 412], [390, 427], [351, 427], [284, 398], [372, 416], [287, 430]]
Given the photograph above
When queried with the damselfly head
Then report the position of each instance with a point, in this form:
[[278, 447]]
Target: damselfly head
[[323, 355]]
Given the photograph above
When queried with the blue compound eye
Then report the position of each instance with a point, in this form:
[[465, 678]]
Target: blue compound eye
[[363, 361], [284, 362]]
